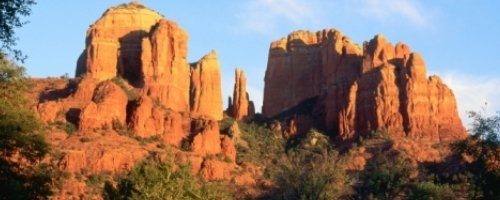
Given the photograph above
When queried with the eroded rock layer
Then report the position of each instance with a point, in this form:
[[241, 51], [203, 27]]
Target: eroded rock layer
[[360, 89]]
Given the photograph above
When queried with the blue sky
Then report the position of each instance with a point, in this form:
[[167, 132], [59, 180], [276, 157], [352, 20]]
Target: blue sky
[[459, 39]]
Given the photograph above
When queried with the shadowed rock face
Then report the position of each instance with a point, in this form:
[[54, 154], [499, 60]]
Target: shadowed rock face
[[377, 87]]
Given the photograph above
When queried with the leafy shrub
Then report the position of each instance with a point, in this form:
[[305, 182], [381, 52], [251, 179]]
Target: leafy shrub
[[481, 155], [263, 144], [431, 191], [311, 175], [129, 91], [386, 176], [160, 180], [67, 127]]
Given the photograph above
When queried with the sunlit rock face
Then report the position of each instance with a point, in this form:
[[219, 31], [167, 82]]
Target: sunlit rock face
[[359, 89], [206, 89], [240, 107], [133, 80]]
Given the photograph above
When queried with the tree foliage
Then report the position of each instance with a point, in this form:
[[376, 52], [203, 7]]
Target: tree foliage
[[161, 180], [312, 170], [11, 12], [481, 155], [21, 144]]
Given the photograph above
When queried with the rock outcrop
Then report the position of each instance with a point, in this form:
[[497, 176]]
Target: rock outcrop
[[133, 80], [113, 44], [165, 70], [358, 90], [108, 107], [241, 107], [205, 90]]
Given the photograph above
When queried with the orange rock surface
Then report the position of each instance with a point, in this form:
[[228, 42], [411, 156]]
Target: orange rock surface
[[114, 42], [108, 107], [241, 107], [165, 71], [207, 139], [359, 90], [148, 119], [205, 91]]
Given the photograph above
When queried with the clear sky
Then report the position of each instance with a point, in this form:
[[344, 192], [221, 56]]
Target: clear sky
[[459, 39]]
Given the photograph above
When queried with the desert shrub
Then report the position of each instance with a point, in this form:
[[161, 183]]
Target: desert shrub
[[161, 180], [264, 146], [309, 175], [129, 91], [386, 176], [431, 191], [67, 127]]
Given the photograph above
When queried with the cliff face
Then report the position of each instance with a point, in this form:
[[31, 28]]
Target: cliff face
[[133, 79], [358, 90], [205, 92]]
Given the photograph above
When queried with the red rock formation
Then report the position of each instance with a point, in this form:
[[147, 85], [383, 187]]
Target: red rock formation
[[165, 71], [381, 87], [108, 107], [113, 42], [241, 106], [148, 119], [205, 92], [207, 139], [133, 79], [215, 170], [98, 153], [227, 148]]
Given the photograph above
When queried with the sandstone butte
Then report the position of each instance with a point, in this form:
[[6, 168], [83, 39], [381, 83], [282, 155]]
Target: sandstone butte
[[133, 76], [353, 90], [240, 107]]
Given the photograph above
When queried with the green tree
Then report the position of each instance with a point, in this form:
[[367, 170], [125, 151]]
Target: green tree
[[312, 170], [481, 155], [11, 12], [21, 144], [157, 180], [431, 191], [386, 176]]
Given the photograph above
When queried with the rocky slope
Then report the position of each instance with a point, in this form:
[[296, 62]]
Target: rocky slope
[[356, 90]]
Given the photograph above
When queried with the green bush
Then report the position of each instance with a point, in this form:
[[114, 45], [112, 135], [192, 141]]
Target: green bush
[[310, 175], [264, 146], [481, 155], [129, 91], [160, 180], [67, 127], [431, 191], [22, 145], [386, 176]]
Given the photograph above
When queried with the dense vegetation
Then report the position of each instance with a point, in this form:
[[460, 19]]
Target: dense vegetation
[[155, 179], [22, 146]]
